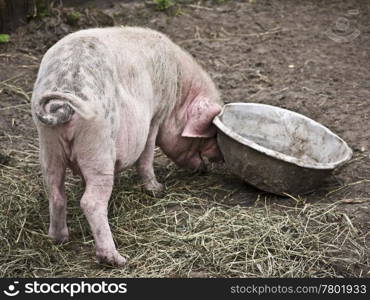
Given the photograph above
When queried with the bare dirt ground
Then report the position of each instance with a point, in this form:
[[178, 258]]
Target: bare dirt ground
[[312, 57]]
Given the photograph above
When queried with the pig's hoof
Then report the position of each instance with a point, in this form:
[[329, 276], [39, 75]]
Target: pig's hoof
[[153, 186], [111, 258], [59, 237]]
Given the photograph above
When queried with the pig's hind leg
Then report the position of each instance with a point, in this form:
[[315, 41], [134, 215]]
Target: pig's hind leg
[[144, 164], [53, 167], [98, 172]]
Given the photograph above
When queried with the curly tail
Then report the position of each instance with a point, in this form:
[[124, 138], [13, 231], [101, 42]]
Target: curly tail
[[58, 108]]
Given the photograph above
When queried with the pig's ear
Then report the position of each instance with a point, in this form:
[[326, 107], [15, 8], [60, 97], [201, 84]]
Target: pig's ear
[[200, 114]]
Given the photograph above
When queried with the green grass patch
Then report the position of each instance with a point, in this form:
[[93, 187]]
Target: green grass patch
[[4, 38]]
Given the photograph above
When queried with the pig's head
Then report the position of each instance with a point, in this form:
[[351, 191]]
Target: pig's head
[[193, 136]]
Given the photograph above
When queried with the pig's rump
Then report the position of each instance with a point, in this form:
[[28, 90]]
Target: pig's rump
[[72, 74]]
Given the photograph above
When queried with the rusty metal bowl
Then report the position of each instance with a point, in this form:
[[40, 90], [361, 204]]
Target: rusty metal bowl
[[277, 150]]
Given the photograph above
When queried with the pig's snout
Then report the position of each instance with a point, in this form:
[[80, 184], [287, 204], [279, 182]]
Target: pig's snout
[[202, 168], [197, 165], [193, 164], [212, 151]]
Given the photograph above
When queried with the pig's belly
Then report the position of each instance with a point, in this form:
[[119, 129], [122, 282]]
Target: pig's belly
[[122, 161], [126, 159], [129, 146], [128, 151]]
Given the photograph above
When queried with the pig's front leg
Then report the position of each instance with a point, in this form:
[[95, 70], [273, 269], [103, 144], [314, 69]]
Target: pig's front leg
[[94, 203], [145, 163]]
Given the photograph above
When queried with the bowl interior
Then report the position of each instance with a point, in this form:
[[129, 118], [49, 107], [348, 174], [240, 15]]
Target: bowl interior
[[283, 131]]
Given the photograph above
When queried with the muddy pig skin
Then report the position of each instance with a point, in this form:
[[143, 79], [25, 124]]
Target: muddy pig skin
[[103, 99]]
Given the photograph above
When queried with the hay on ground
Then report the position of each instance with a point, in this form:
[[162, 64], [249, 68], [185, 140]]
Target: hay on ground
[[185, 232]]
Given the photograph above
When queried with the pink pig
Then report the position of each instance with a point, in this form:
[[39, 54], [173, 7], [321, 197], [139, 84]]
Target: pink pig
[[103, 99]]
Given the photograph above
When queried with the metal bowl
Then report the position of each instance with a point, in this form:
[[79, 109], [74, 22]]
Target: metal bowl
[[277, 150]]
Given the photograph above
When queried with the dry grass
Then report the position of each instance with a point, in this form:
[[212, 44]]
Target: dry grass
[[192, 230]]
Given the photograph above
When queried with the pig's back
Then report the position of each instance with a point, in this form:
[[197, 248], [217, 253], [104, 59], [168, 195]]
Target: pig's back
[[130, 60], [119, 64]]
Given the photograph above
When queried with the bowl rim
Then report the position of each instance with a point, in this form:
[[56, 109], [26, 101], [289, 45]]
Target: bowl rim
[[276, 154]]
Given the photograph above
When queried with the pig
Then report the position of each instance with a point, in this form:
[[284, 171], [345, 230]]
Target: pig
[[103, 99]]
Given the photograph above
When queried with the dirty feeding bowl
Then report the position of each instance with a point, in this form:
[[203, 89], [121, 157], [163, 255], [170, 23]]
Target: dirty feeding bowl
[[277, 150]]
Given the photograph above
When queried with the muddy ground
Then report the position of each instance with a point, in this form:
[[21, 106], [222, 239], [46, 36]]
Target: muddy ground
[[312, 57]]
